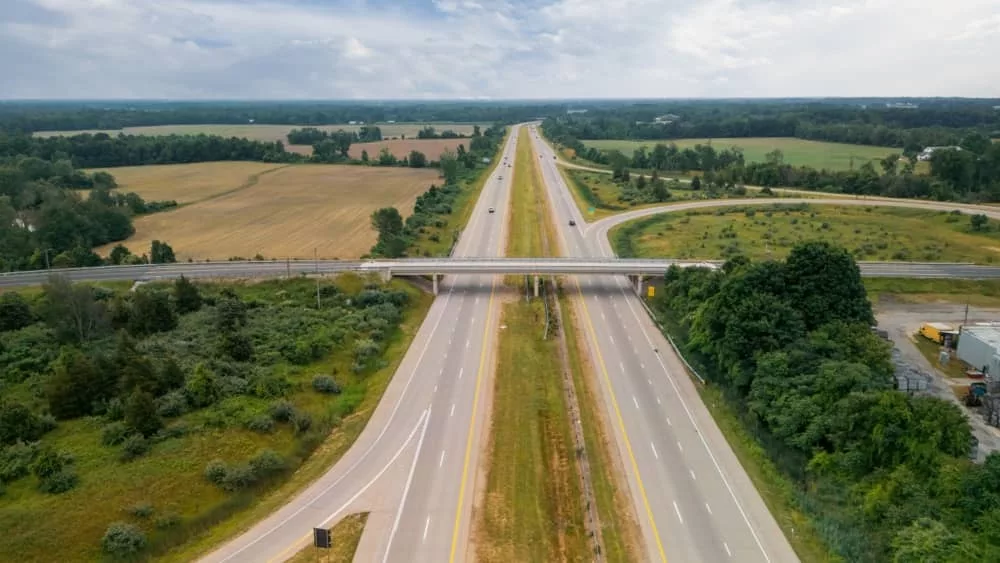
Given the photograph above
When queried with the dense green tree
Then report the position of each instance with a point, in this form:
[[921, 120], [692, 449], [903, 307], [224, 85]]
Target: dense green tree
[[118, 254], [140, 414], [236, 345], [151, 312], [161, 253], [186, 296], [19, 424], [696, 183], [449, 166], [929, 541], [230, 313], [417, 159], [170, 376], [71, 310], [824, 283], [15, 312], [77, 385], [202, 387], [979, 222]]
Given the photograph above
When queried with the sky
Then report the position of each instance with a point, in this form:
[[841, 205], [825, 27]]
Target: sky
[[497, 49]]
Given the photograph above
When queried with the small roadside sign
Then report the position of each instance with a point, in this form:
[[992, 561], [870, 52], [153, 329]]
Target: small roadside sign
[[321, 538], [650, 291]]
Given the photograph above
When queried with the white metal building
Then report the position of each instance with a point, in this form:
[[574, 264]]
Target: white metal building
[[979, 346]]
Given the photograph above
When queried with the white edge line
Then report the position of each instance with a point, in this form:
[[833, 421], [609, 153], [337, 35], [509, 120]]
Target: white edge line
[[406, 489]]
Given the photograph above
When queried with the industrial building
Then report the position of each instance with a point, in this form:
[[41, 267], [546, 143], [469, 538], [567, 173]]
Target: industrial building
[[979, 346]]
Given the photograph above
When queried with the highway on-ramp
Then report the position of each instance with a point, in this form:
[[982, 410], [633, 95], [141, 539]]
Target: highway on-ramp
[[694, 501], [413, 466]]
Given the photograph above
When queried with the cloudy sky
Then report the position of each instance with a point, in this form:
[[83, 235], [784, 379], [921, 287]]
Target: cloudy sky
[[385, 49]]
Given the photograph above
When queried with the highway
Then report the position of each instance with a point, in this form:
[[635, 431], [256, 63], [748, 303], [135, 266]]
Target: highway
[[415, 463], [693, 499]]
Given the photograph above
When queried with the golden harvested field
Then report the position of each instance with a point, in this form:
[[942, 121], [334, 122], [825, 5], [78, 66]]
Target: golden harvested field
[[432, 148], [186, 183], [287, 213]]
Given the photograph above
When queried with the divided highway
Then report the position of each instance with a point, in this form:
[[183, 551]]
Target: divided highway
[[414, 465], [693, 499]]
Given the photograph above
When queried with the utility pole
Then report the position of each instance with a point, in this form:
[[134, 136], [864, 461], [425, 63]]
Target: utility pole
[[966, 321], [316, 264], [46, 253], [288, 268]]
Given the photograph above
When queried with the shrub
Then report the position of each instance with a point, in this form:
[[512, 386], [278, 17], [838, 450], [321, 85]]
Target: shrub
[[123, 539], [168, 520], [115, 410], [59, 482], [266, 463], [325, 384], [140, 510], [15, 461], [172, 404], [114, 433], [216, 471], [170, 432], [749, 212], [134, 446], [301, 421], [238, 477], [262, 424], [50, 462], [282, 411]]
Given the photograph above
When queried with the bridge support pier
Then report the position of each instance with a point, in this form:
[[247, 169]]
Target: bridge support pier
[[638, 285], [536, 286], [435, 278], [387, 275]]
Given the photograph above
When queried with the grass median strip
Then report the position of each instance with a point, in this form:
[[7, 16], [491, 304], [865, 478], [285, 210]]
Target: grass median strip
[[345, 537]]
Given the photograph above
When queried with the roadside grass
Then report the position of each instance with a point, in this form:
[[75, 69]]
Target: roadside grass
[[189, 514], [798, 152], [977, 293], [760, 232], [465, 202], [532, 506], [345, 537], [529, 207], [619, 528]]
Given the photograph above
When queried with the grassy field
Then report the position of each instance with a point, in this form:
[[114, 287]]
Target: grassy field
[[345, 537], [187, 183], [870, 233], [800, 152], [186, 513], [287, 213], [271, 133], [529, 216], [432, 148], [977, 293]]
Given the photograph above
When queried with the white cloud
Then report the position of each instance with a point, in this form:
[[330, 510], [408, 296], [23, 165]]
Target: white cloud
[[498, 49]]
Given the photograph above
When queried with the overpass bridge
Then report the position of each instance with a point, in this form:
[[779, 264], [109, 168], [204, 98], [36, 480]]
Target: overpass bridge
[[638, 268]]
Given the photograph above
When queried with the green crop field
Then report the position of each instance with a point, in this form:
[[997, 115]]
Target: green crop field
[[869, 233], [817, 154]]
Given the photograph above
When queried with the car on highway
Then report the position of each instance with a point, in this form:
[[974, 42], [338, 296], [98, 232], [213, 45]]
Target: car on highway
[[572, 223], [492, 210]]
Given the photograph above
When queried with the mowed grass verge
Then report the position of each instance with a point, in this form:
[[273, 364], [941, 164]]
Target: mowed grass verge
[[187, 183], [758, 232], [799, 152], [345, 537], [977, 293], [288, 213]]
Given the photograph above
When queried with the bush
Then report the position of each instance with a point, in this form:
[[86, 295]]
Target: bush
[[282, 411], [50, 462], [238, 477], [172, 404], [114, 433], [301, 421], [168, 520], [134, 446], [266, 463], [115, 410], [15, 461], [59, 482], [325, 384], [262, 424], [216, 471], [140, 510], [123, 539]]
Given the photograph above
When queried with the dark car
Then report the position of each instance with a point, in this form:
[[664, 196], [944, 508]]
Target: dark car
[[572, 223]]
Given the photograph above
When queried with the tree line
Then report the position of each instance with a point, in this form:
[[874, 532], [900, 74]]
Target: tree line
[[884, 476], [969, 173], [45, 222], [396, 236], [312, 135], [930, 124]]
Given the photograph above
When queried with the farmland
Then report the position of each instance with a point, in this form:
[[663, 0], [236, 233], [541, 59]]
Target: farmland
[[287, 213], [271, 133], [758, 232], [186, 183], [799, 152], [432, 148]]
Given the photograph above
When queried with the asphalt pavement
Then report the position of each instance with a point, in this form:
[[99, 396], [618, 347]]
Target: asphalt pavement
[[693, 499], [413, 466]]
